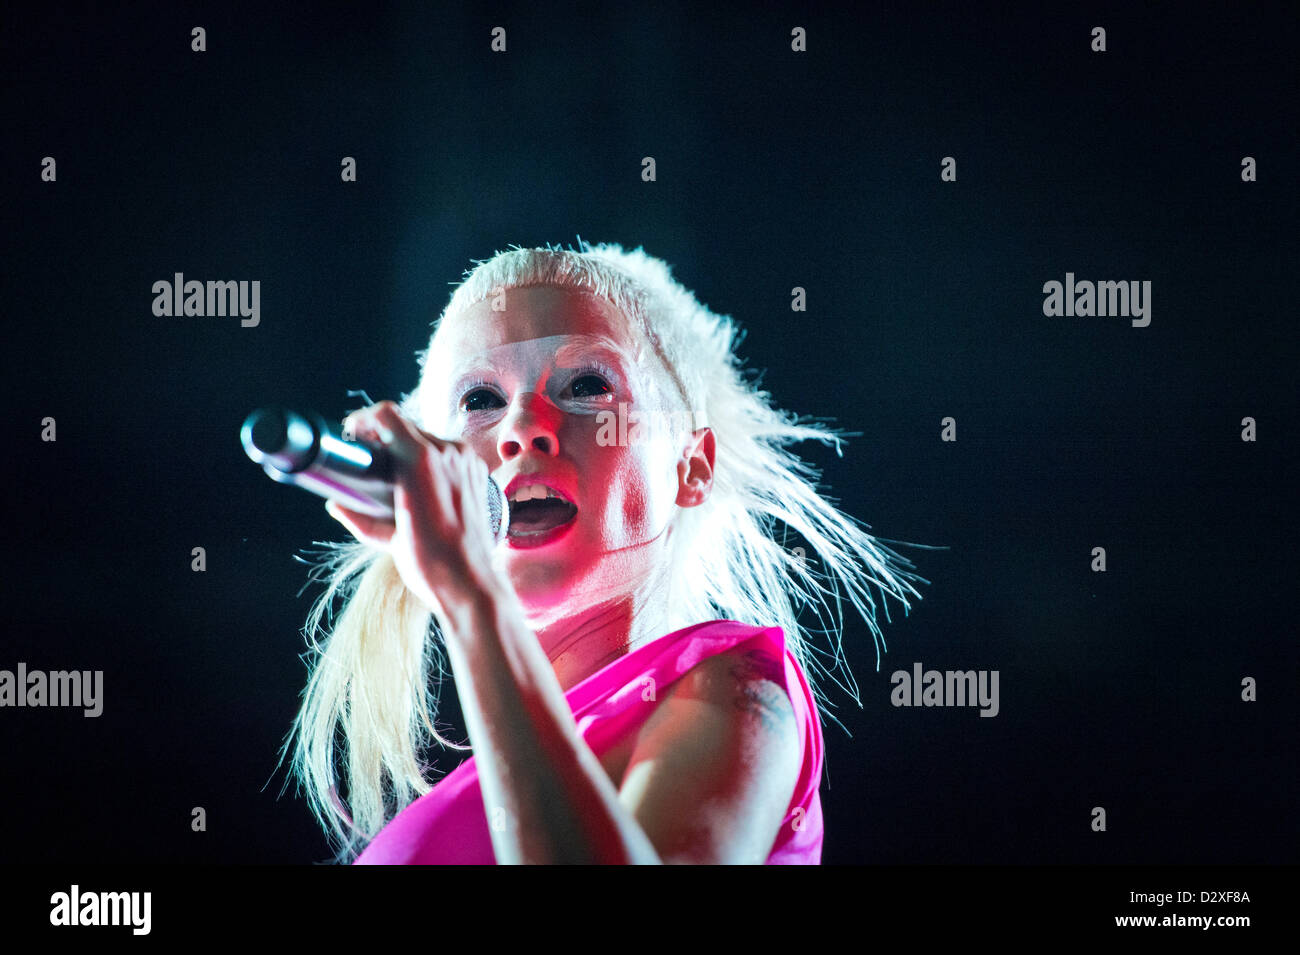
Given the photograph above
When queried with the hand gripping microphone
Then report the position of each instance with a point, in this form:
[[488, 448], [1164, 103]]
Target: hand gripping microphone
[[301, 449]]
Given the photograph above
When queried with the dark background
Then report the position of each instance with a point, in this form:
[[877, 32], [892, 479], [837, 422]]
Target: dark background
[[775, 169]]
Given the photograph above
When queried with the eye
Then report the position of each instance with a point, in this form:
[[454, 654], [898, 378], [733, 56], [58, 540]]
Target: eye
[[481, 399], [591, 385]]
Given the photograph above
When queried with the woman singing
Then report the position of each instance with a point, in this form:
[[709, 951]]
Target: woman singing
[[634, 682]]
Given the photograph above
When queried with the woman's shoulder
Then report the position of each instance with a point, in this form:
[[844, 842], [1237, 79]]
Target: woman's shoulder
[[750, 670], [748, 678], [723, 661], [743, 650], [748, 652], [759, 670], [744, 714]]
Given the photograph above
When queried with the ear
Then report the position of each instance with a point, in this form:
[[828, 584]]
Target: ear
[[695, 469]]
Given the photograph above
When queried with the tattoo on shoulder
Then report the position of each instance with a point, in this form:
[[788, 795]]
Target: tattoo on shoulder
[[759, 676]]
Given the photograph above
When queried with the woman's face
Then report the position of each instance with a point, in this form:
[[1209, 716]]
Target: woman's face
[[535, 389]]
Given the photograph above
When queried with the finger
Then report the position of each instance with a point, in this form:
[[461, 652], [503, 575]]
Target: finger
[[388, 416], [425, 493], [426, 497], [347, 430], [355, 419], [475, 471], [364, 527], [362, 425]]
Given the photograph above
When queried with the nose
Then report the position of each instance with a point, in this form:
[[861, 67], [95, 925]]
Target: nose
[[531, 423]]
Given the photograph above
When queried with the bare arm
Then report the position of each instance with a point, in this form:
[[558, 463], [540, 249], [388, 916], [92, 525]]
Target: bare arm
[[548, 800], [715, 766]]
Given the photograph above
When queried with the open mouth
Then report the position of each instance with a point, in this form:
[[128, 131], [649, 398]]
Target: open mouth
[[538, 513]]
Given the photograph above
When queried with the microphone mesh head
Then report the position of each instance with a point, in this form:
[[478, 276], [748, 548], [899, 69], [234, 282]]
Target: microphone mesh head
[[498, 510]]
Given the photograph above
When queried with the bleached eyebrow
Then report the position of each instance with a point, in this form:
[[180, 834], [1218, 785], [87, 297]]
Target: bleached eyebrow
[[565, 356], [463, 371], [571, 353]]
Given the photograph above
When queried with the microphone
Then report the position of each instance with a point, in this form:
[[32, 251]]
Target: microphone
[[301, 449]]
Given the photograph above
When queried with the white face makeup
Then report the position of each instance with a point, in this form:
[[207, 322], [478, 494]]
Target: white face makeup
[[554, 366], [537, 391]]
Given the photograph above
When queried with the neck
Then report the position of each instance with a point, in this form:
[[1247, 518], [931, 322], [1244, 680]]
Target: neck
[[586, 642], [611, 625]]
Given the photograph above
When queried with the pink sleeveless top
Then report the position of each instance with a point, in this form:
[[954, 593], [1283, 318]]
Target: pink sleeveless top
[[448, 825]]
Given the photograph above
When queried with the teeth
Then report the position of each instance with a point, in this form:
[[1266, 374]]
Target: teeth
[[529, 492]]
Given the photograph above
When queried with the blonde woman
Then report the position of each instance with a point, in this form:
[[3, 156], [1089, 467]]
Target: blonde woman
[[634, 680]]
